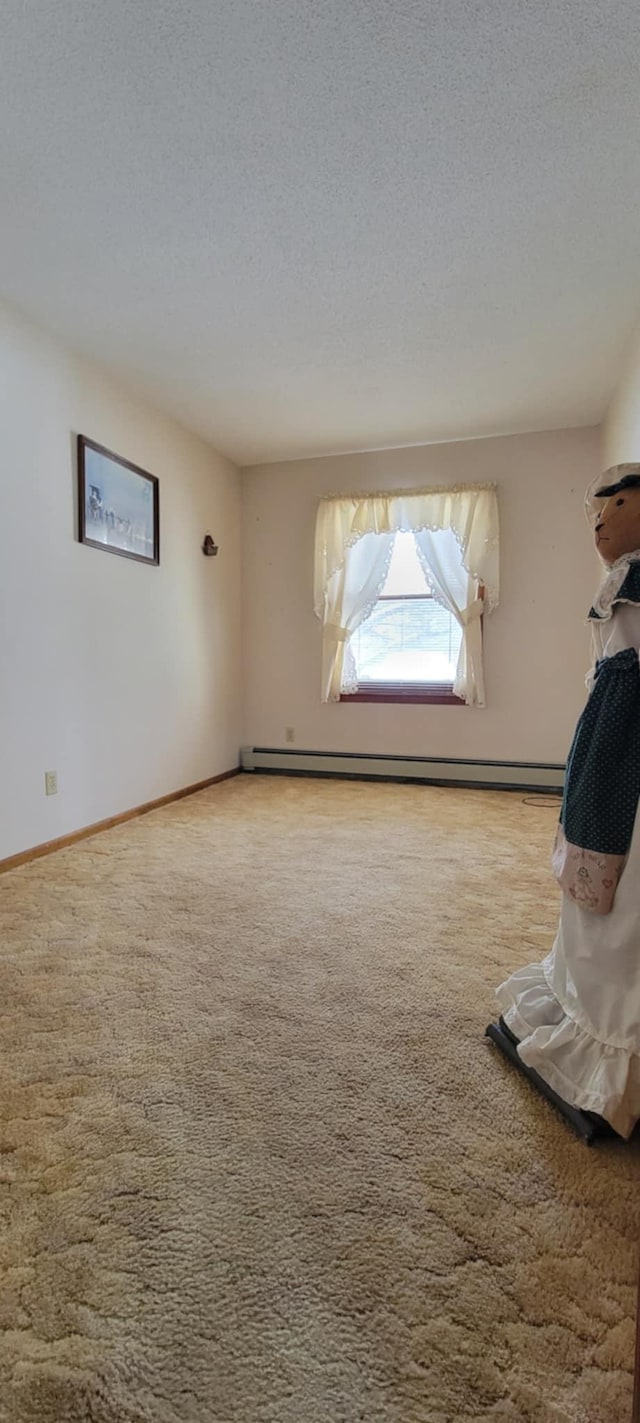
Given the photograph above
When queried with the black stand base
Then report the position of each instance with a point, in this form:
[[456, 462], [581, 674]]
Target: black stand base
[[587, 1125]]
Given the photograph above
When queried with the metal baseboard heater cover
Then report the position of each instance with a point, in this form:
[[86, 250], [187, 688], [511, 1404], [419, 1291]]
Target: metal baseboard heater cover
[[433, 770]]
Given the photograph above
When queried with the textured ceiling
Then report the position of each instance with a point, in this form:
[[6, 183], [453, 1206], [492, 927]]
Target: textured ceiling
[[305, 226]]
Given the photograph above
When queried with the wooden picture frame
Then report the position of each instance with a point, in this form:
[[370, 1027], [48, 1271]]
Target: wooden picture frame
[[118, 504]]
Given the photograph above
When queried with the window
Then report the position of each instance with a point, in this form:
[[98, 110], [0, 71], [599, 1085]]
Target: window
[[401, 581], [409, 646]]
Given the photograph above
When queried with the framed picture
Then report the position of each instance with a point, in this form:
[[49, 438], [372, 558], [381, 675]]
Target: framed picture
[[118, 504]]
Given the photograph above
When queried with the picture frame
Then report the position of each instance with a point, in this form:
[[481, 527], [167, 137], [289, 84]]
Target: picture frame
[[118, 504]]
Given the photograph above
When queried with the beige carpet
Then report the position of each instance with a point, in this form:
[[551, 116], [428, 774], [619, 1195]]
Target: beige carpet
[[257, 1163]]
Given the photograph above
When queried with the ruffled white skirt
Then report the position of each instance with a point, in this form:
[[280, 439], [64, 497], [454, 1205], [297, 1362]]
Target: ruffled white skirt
[[577, 1014]]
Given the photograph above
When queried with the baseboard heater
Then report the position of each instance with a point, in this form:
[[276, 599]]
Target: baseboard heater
[[433, 770]]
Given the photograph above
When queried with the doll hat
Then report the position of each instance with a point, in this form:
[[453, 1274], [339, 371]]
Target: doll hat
[[631, 480], [617, 477]]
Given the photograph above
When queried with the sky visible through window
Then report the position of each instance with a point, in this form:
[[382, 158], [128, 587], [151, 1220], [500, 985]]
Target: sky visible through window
[[410, 638]]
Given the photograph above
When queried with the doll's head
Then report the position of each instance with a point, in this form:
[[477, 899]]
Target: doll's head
[[615, 511]]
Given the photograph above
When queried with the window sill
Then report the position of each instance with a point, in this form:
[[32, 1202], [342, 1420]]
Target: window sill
[[436, 695]]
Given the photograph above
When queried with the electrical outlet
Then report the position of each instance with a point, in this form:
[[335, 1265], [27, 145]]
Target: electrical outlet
[[289, 733], [51, 782]]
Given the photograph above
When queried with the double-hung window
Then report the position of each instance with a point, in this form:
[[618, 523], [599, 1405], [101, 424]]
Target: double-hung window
[[408, 647], [401, 582]]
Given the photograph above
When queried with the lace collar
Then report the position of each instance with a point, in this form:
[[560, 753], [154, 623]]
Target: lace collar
[[621, 585]]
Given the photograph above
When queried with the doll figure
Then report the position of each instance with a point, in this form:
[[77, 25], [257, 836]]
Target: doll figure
[[574, 1019]]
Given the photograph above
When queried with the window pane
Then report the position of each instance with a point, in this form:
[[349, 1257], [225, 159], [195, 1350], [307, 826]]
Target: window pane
[[405, 570], [407, 640]]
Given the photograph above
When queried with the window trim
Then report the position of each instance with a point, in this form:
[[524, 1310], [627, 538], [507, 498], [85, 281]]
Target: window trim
[[437, 693]]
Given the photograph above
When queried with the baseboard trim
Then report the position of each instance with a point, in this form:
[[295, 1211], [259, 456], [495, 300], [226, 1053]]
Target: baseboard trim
[[50, 846]]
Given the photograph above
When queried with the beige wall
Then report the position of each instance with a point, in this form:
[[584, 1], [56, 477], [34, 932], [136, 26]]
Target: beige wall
[[123, 678], [621, 429], [536, 643]]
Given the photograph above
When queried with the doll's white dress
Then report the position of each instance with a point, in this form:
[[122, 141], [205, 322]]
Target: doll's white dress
[[577, 1014]]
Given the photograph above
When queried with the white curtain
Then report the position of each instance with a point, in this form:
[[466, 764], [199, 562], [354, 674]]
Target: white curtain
[[352, 592], [455, 588], [351, 565]]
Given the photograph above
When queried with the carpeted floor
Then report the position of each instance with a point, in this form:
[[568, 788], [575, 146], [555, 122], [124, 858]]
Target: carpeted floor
[[257, 1163]]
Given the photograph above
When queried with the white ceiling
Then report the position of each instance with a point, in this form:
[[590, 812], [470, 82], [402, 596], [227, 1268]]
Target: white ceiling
[[305, 226]]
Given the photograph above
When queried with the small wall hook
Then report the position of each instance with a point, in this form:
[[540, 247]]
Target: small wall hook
[[209, 548]]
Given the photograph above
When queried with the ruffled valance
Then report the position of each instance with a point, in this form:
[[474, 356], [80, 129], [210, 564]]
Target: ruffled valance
[[469, 510]]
